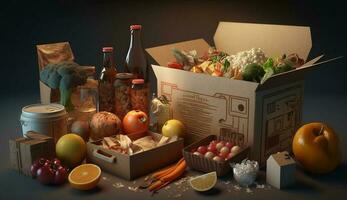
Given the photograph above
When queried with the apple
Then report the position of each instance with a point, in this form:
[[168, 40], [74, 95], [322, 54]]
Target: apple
[[316, 147], [223, 155], [60, 175]]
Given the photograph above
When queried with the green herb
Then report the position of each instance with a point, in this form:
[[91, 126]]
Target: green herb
[[226, 65]]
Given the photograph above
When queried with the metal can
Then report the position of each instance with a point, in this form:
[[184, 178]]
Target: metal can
[[46, 119]]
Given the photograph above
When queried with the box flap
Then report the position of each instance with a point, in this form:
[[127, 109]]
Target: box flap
[[275, 40], [294, 75], [162, 54]]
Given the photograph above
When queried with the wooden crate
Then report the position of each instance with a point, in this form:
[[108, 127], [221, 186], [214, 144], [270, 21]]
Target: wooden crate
[[25, 150]]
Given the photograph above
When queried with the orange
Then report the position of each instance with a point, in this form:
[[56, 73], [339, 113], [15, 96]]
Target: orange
[[85, 177]]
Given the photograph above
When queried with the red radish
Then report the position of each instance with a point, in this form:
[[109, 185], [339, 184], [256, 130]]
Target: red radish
[[202, 149]]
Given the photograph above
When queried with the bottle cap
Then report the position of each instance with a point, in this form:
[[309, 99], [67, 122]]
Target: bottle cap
[[107, 49], [135, 27], [138, 81]]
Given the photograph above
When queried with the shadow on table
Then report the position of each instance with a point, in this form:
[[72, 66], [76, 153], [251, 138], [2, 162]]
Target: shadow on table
[[336, 178], [213, 192], [95, 190]]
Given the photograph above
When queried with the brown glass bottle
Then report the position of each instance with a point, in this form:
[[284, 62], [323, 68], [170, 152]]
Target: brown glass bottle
[[106, 100], [136, 62]]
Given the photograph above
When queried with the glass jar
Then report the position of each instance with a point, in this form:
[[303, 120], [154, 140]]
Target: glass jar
[[122, 87], [139, 95]]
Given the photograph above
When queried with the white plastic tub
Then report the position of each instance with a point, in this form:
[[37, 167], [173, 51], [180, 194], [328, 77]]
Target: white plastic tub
[[46, 119]]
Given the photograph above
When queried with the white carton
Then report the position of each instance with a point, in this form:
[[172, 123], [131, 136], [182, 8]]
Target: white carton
[[264, 116]]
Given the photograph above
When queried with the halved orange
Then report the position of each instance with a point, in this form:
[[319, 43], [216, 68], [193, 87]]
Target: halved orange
[[85, 177]]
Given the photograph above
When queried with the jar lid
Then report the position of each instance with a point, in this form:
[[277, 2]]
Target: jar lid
[[138, 81], [124, 75], [107, 49], [43, 110], [135, 27]]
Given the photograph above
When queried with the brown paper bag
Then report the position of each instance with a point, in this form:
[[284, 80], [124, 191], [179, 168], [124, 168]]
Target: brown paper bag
[[52, 53]]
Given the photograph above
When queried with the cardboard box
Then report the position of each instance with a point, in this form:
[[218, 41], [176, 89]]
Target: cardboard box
[[25, 150], [264, 116], [280, 170], [139, 164]]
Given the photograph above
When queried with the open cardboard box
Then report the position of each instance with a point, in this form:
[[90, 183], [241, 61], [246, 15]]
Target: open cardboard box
[[138, 164], [263, 116]]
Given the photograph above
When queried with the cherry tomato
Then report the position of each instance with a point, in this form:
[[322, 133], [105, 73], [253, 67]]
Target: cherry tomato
[[175, 65], [202, 149]]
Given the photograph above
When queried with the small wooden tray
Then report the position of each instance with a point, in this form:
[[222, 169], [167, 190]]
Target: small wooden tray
[[200, 163]]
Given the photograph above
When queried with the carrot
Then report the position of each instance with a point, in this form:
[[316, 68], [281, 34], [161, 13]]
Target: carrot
[[161, 186], [164, 172], [179, 170], [155, 185]]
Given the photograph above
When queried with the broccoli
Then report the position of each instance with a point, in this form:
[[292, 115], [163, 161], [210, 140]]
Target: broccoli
[[65, 76], [253, 72]]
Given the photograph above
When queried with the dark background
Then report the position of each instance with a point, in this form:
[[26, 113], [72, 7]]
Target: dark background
[[90, 24]]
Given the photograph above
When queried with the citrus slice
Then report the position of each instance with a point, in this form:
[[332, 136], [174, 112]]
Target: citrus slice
[[85, 177], [204, 182]]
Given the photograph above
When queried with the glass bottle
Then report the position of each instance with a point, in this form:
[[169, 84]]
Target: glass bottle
[[122, 87], [106, 80], [139, 95], [136, 62]]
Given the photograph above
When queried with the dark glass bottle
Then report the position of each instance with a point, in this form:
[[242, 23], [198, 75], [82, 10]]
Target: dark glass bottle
[[136, 62], [107, 77]]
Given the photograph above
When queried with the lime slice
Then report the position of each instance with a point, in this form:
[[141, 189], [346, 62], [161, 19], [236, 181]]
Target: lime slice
[[204, 182]]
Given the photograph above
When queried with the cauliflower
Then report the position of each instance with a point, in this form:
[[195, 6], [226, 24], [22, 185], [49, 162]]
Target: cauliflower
[[244, 58]]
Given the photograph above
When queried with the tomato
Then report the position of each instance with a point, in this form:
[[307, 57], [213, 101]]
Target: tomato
[[135, 122], [175, 65]]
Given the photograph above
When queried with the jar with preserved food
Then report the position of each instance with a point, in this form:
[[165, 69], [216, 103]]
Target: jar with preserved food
[[122, 87], [106, 81], [139, 95]]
